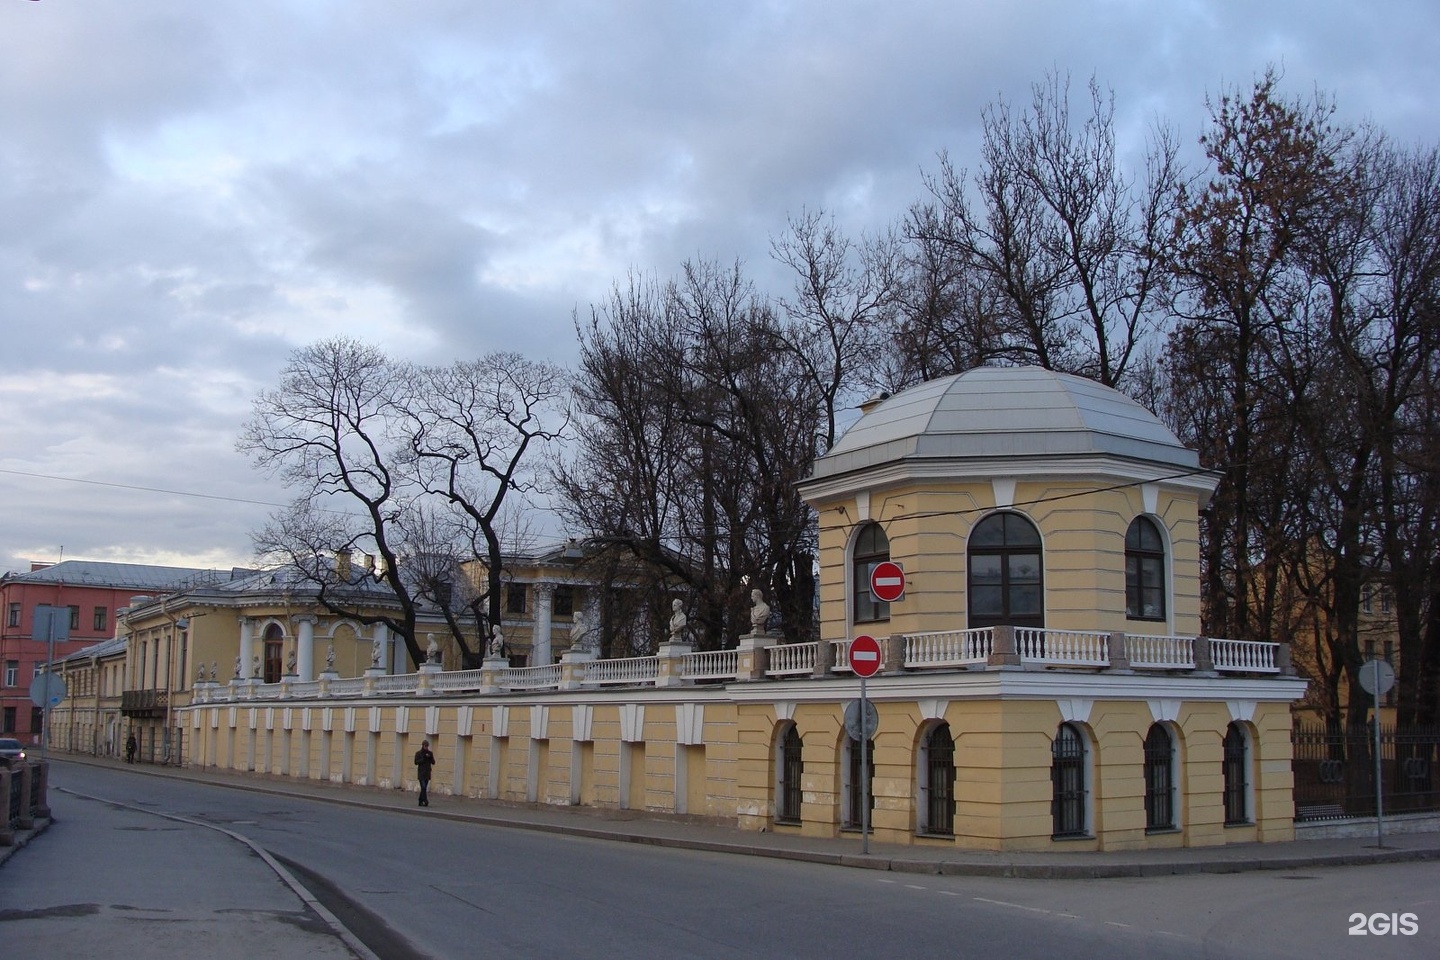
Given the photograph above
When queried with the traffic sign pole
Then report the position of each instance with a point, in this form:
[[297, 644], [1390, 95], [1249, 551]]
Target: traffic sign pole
[[1379, 793], [864, 658], [864, 770]]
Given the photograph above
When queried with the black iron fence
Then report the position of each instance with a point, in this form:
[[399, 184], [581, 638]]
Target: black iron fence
[[1335, 770]]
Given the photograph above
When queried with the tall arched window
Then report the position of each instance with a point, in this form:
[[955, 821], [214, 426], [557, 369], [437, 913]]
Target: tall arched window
[[1067, 783], [871, 547], [274, 652], [790, 769], [1159, 779], [937, 782], [1144, 571], [855, 787], [1005, 572], [1237, 775]]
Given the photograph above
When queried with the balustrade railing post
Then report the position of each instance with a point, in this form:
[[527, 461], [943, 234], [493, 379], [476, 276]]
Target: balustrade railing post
[[1119, 658], [1282, 659], [754, 657], [824, 658], [670, 664], [1003, 653], [492, 668], [1204, 656], [893, 653]]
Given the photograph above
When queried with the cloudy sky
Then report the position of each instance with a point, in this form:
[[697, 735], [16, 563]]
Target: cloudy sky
[[189, 191]]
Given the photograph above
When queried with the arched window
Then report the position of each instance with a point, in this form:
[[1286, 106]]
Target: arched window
[[790, 769], [871, 547], [1159, 779], [854, 786], [274, 652], [937, 782], [1144, 571], [1237, 775], [1067, 783], [1005, 572]]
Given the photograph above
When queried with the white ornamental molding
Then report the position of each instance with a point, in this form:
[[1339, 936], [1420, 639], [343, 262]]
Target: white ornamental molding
[[1241, 710], [1076, 709], [1165, 710], [690, 724], [582, 717], [539, 721], [632, 722], [500, 720]]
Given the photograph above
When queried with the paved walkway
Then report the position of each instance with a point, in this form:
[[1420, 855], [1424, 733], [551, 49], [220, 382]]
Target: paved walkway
[[688, 833]]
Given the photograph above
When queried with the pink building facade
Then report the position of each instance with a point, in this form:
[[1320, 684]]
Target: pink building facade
[[93, 593]]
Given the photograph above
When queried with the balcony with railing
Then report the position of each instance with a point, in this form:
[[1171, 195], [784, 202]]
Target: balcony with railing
[[144, 703]]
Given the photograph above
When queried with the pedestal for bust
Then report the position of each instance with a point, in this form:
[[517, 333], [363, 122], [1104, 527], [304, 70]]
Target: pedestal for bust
[[572, 668]]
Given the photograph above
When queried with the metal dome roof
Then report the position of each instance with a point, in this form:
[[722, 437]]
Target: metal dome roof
[[1005, 413]]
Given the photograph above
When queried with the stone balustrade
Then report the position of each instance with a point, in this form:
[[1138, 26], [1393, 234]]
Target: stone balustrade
[[975, 649]]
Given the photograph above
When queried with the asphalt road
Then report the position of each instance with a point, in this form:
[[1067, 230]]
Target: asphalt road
[[416, 886]]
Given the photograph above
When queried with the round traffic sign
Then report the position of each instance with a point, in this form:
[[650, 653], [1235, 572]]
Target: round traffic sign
[[854, 725], [1377, 677], [887, 581], [47, 690], [865, 656]]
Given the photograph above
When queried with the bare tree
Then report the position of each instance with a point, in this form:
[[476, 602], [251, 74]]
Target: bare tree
[[410, 465], [1057, 263], [328, 430], [473, 429]]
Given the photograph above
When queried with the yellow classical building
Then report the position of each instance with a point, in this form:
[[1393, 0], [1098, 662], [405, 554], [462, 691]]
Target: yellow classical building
[[1043, 686]]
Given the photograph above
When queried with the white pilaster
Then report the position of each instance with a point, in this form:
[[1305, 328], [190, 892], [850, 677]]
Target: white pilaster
[[247, 644]]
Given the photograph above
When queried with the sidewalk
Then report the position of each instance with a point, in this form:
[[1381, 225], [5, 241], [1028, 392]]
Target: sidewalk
[[690, 833]]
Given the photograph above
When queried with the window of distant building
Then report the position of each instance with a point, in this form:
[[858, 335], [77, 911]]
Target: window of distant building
[[12, 672], [1144, 571], [564, 605], [12, 617], [1367, 600], [102, 618], [1005, 572], [871, 548], [74, 618], [515, 598], [855, 788], [7, 720]]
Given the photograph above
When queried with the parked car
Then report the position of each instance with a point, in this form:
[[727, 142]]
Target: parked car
[[11, 752]]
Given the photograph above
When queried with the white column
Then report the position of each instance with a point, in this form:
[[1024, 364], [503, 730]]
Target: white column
[[247, 644], [382, 633], [540, 643], [305, 649]]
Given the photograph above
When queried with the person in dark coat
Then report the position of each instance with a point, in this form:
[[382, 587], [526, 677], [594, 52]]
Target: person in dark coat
[[130, 747], [424, 763]]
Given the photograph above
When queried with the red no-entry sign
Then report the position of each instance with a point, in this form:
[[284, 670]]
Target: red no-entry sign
[[865, 656], [887, 581]]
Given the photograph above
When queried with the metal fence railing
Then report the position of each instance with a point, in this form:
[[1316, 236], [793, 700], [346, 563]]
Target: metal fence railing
[[1334, 770]]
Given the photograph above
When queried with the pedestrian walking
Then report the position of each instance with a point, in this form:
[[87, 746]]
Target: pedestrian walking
[[131, 745], [424, 763]]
